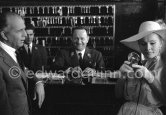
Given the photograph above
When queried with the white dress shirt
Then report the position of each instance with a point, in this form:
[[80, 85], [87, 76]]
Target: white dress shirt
[[26, 47], [9, 50], [82, 52]]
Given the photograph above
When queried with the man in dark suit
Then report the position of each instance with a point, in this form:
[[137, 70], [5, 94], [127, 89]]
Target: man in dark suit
[[34, 55], [35, 59], [13, 80], [79, 55]]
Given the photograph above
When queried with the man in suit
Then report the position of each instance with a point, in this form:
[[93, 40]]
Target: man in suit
[[79, 55], [34, 57], [13, 80]]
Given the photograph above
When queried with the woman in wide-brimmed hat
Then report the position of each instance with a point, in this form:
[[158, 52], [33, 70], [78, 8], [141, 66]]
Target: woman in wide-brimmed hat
[[143, 90]]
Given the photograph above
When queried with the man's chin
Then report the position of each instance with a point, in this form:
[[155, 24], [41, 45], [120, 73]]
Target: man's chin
[[21, 45], [80, 49], [27, 42]]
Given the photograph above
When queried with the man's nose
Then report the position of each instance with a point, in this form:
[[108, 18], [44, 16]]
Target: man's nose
[[24, 33]]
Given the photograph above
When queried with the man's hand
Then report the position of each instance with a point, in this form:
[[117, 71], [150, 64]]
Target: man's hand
[[39, 90], [89, 71], [68, 70]]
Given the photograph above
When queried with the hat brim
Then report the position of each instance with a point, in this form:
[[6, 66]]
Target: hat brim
[[132, 42]]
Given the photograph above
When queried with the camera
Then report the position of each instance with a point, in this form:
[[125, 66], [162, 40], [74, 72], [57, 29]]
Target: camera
[[134, 58]]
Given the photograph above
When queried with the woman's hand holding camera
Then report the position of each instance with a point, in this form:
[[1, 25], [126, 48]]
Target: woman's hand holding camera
[[136, 71], [144, 72], [125, 68]]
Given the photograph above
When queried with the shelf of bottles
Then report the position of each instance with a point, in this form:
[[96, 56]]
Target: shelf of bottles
[[54, 23]]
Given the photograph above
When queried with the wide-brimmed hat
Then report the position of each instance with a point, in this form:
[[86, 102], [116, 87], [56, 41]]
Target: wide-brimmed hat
[[146, 28]]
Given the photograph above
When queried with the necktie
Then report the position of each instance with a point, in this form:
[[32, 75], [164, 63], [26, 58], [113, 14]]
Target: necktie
[[29, 54], [25, 83], [29, 51], [80, 59], [19, 60]]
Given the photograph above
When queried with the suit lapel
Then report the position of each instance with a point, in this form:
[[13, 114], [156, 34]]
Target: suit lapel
[[23, 50], [74, 58], [7, 58], [87, 55], [11, 63], [34, 52], [88, 61]]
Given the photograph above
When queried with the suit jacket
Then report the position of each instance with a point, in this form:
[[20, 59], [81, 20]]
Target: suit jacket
[[38, 57], [13, 87], [68, 58]]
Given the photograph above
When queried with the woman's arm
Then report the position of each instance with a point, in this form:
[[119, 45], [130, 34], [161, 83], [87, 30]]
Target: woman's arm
[[159, 83], [155, 80]]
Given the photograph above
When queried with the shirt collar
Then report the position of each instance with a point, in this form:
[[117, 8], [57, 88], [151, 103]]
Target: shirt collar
[[7, 48], [82, 52], [29, 45]]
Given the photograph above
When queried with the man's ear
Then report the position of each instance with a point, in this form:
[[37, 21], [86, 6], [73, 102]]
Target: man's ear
[[3, 35]]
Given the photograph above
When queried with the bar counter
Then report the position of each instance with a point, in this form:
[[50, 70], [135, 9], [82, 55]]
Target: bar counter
[[73, 99]]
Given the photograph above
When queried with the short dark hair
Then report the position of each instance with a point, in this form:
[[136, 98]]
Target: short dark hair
[[3, 18], [79, 28], [29, 27]]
